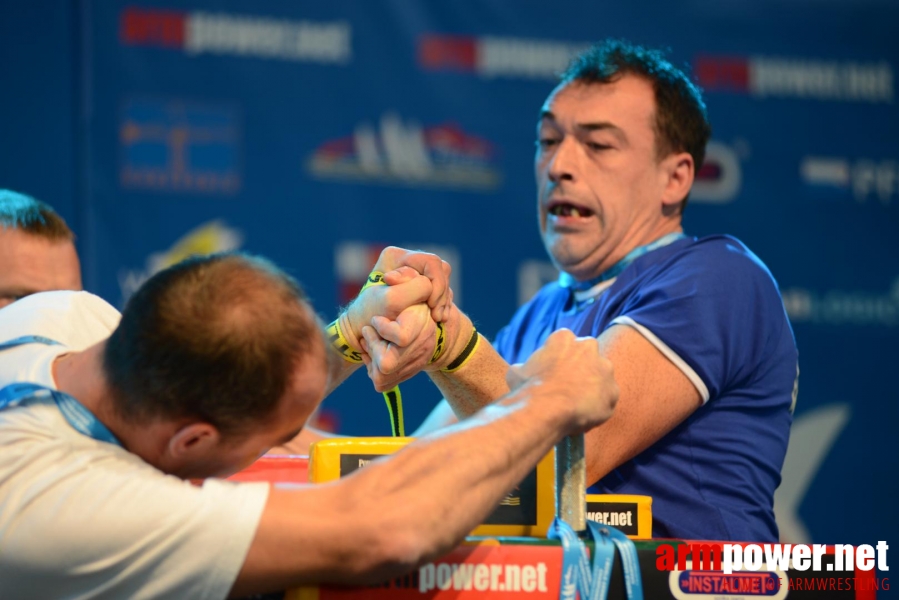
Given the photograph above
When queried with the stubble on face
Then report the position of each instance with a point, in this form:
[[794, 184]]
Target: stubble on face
[[595, 166]]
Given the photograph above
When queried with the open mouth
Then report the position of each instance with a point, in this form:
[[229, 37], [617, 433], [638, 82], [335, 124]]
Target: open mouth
[[566, 209]]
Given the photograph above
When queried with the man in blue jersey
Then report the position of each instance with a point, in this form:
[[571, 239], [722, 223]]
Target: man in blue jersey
[[696, 330]]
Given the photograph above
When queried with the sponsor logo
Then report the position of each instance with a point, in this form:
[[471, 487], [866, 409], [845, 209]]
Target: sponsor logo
[[780, 77], [354, 260], [493, 56], [702, 584], [865, 179], [406, 153], [703, 569], [529, 578], [510, 500], [718, 180], [353, 462], [622, 515], [838, 307], [519, 507], [252, 36], [758, 558], [176, 146], [214, 236]]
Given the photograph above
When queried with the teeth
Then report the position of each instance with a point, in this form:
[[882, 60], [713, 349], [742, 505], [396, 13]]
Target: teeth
[[566, 210]]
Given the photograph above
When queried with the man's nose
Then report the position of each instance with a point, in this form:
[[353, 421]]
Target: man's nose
[[563, 164]]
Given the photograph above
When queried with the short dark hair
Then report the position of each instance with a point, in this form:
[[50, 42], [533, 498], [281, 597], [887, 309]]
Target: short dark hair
[[18, 211], [682, 121], [215, 337]]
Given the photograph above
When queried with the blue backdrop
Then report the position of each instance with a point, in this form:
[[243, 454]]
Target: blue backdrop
[[316, 133]]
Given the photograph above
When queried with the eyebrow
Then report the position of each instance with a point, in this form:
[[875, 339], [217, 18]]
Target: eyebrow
[[597, 126]]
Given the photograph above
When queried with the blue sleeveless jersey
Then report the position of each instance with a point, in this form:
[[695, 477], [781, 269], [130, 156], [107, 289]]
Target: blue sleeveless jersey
[[717, 309]]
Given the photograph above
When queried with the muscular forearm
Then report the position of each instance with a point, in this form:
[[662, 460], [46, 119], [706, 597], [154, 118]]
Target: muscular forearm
[[476, 384], [450, 481], [403, 510], [480, 381], [395, 514]]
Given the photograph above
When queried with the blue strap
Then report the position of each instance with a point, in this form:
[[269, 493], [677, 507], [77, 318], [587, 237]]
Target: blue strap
[[575, 566], [630, 564], [576, 573], [78, 416], [605, 540], [603, 560], [28, 339]]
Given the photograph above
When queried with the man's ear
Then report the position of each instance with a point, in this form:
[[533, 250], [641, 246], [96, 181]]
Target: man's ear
[[678, 172], [193, 440]]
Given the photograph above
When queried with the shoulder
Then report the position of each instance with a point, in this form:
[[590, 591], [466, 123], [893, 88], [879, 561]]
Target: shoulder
[[114, 503], [74, 319], [719, 262]]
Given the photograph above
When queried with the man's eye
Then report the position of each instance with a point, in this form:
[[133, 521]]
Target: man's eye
[[597, 146], [547, 142]]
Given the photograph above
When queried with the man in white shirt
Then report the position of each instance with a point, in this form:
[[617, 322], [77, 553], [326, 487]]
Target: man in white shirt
[[213, 362]]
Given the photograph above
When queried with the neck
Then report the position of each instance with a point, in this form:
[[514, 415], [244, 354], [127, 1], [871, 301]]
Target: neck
[[621, 259], [641, 238], [80, 374]]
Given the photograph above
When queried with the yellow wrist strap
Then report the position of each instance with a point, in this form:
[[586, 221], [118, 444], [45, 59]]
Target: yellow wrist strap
[[392, 397], [441, 344], [374, 278], [339, 342], [466, 354]]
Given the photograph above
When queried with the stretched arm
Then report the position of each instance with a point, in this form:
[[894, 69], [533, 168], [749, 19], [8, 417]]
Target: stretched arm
[[401, 511], [655, 397]]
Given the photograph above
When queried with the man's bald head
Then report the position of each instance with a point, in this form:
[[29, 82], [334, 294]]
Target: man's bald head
[[214, 338]]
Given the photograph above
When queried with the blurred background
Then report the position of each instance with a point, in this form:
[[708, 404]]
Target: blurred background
[[317, 133]]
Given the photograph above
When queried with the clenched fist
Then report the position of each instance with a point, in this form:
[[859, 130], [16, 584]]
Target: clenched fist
[[569, 374]]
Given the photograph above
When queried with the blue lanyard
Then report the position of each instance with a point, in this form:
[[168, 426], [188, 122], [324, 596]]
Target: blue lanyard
[[575, 566], [79, 417], [605, 540], [567, 281], [576, 573]]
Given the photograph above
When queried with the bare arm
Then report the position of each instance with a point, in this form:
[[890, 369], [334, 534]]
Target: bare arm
[[655, 397], [397, 513], [479, 382]]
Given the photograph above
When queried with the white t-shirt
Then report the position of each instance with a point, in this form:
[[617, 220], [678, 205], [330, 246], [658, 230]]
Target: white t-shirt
[[81, 518]]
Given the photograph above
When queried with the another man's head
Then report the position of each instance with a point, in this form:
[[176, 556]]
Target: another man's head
[[226, 353], [619, 141], [37, 250]]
